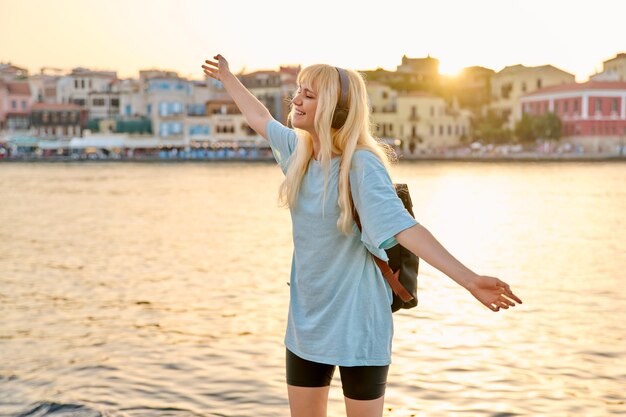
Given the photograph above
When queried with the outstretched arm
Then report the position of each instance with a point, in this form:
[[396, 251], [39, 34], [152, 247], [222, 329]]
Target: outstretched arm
[[490, 291], [255, 112]]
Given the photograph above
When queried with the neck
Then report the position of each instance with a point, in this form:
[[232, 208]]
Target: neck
[[316, 145]]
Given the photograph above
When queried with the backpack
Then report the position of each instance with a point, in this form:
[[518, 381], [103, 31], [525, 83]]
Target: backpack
[[401, 271]]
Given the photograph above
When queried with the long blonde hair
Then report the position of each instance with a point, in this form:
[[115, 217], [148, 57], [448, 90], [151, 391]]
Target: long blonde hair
[[355, 134]]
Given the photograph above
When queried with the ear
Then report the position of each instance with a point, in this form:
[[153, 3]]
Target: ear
[[339, 118]]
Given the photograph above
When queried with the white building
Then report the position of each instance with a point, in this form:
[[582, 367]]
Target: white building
[[419, 120], [510, 84]]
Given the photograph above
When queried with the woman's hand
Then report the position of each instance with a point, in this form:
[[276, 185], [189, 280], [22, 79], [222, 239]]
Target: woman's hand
[[492, 292], [217, 70]]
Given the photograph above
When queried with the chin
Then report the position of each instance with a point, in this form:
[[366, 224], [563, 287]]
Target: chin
[[298, 125]]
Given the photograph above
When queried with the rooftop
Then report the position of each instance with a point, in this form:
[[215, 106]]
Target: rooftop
[[55, 106], [18, 88], [589, 85]]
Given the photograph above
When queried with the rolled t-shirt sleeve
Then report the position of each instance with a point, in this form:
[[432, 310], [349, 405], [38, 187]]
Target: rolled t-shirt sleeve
[[283, 141], [380, 210]]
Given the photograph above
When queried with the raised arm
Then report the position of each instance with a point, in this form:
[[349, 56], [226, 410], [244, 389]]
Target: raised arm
[[255, 112], [491, 292]]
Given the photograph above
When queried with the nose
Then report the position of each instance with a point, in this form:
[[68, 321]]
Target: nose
[[297, 100]]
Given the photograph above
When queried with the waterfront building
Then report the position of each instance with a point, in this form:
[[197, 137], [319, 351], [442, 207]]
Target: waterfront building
[[511, 83], [593, 114], [421, 69], [472, 87], [273, 88], [166, 100], [75, 87], [10, 72], [413, 74], [382, 98], [416, 120], [228, 126], [15, 105], [43, 86], [175, 106], [614, 69], [57, 120]]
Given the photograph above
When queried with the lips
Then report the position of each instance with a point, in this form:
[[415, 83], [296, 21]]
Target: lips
[[299, 113]]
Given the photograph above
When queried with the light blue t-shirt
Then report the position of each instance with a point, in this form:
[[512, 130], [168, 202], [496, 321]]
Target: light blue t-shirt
[[339, 310]]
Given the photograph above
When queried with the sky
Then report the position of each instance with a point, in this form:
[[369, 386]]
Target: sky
[[129, 35]]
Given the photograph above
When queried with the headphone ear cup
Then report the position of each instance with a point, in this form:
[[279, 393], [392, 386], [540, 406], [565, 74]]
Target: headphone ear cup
[[339, 118]]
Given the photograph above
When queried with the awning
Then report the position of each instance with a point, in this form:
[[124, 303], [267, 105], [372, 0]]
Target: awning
[[148, 143], [97, 142], [22, 140], [54, 144]]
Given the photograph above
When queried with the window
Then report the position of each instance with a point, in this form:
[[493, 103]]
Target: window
[[614, 105], [440, 130], [23, 104], [199, 130], [127, 110], [505, 90], [413, 111], [598, 107], [149, 109], [449, 130], [14, 104], [575, 105], [44, 117], [538, 83], [524, 86], [385, 95], [413, 131], [76, 84], [82, 83], [432, 110], [566, 106], [97, 102], [115, 102], [556, 107]]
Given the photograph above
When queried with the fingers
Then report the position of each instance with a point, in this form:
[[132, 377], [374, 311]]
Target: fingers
[[500, 302], [211, 69], [508, 292], [493, 307]]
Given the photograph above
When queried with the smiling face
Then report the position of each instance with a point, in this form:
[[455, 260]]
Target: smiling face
[[304, 108]]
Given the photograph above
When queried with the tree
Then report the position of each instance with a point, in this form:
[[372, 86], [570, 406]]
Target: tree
[[491, 128], [525, 129], [549, 126], [530, 128]]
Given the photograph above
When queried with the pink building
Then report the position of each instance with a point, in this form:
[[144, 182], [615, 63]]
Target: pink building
[[592, 114], [15, 103]]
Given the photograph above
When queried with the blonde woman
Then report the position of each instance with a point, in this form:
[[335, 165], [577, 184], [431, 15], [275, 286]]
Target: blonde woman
[[339, 311]]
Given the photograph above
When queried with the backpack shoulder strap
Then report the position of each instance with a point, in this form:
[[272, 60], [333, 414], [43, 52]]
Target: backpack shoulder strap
[[391, 277]]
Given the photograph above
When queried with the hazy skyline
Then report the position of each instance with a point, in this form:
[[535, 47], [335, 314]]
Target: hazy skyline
[[128, 36]]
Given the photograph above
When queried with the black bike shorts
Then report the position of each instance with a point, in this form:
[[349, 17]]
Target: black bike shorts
[[358, 382]]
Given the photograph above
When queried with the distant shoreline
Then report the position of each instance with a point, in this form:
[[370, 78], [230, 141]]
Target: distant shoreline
[[413, 158]]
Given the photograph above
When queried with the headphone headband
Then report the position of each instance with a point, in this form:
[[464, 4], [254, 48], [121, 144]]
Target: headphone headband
[[341, 110]]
